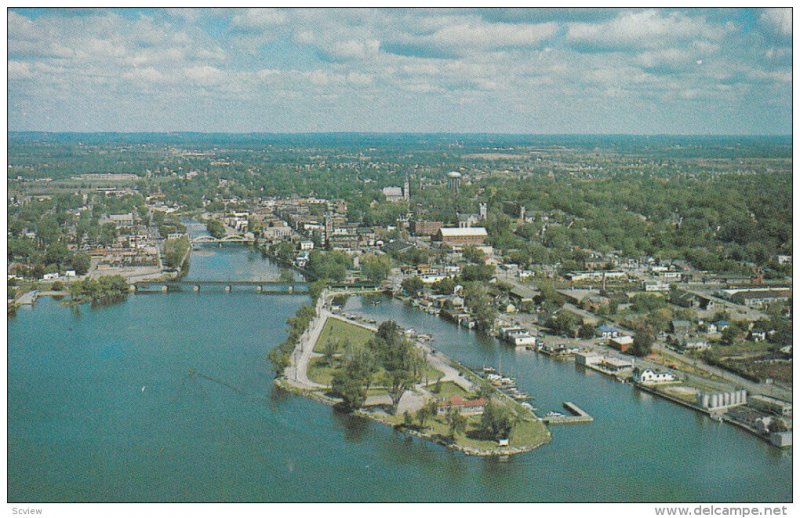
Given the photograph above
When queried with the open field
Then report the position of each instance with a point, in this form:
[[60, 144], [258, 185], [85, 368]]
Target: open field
[[336, 329], [320, 372], [447, 390]]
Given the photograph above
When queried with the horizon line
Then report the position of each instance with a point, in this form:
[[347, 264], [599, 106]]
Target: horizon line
[[467, 133]]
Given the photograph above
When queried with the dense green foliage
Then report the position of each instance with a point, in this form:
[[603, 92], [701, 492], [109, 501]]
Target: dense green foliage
[[478, 299], [215, 228], [105, 290], [497, 420], [402, 364], [329, 265], [279, 355], [175, 250], [375, 268], [721, 203]]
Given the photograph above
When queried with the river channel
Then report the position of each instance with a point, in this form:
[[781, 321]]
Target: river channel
[[167, 397]]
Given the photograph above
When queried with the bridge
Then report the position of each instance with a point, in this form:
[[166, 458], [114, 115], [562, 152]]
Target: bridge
[[233, 238], [270, 286], [261, 286]]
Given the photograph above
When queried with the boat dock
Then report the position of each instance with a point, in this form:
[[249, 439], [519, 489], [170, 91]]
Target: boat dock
[[505, 384], [578, 415]]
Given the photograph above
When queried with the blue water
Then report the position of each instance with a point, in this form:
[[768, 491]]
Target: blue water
[[102, 407]]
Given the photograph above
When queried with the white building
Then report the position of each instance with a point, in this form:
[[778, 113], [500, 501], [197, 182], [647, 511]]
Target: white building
[[652, 377], [716, 401], [393, 194]]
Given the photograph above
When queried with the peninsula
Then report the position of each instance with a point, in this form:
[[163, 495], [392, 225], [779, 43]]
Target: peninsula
[[389, 375]]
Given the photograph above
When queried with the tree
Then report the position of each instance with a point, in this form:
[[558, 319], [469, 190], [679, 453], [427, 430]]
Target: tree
[[175, 250], [329, 265], [547, 292], [478, 272], [283, 251], [777, 425], [397, 382], [215, 228], [376, 268], [445, 286], [279, 360], [456, 422], [331, 347], [563, 323], [412, 285], [643, 342], [729, 335], [286, 276], [352, 381], [81, 262], [586, 331], [351, 389], [427, 411], [497, 420], [389, 331], [316, 288], [473, 254], [477, 298]]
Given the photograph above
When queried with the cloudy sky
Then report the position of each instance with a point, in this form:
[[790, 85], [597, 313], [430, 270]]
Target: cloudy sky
[[687, 71]]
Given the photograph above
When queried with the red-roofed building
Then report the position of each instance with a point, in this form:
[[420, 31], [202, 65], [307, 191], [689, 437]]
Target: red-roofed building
[[465, 406]]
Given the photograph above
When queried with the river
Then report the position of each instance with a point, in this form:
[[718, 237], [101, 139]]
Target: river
[[102, 406]]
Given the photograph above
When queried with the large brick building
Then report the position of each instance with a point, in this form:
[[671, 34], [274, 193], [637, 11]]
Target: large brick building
[[425, 228], [462, 236]]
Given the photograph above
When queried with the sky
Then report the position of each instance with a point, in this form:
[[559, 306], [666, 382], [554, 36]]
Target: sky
[[516, 70]]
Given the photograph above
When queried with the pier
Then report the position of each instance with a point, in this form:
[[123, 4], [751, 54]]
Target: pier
[[578, 416]]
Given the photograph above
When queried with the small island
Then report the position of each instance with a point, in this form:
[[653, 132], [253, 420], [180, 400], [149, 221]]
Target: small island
[[383, 373]]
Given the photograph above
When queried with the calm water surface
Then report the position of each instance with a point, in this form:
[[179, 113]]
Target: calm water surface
[[102, 407]]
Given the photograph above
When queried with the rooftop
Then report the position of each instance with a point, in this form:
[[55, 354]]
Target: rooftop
[[455, 232]]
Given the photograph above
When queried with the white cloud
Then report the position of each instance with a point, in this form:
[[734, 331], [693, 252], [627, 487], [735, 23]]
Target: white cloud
[[406, 65], [492, 35], [352, 49], [18, 70], [206, 75], [648, 29], [260, 18], [777, 21], [146, 75], [674, 58]]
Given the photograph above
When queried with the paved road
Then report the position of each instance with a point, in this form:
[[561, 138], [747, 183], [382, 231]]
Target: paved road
[[752, 387], [298, 369], [297, 372]]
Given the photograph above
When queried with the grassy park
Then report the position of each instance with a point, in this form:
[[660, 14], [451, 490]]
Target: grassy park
[[527, 431], [338, 330]]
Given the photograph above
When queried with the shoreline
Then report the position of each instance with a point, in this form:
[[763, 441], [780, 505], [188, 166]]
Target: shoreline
[[314, 392], [724, 417], [287, 386]]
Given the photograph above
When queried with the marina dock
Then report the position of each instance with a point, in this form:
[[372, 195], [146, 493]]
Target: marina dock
[[578, 415]]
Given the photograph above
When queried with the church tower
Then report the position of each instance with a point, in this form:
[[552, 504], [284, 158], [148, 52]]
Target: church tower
[[406, 189]]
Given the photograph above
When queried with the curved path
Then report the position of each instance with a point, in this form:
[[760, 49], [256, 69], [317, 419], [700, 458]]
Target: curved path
[[297, 372]]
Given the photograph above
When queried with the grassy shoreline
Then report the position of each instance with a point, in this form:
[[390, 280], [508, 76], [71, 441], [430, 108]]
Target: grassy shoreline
[[528, 433]]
